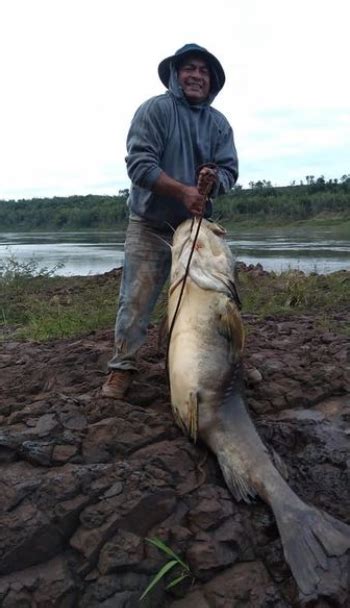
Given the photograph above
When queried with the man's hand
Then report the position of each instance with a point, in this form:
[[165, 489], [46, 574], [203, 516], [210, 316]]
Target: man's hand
[[207, 179], [188, 195], [193, 200]]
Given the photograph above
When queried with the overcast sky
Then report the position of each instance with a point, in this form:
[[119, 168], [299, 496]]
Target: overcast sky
[[73, 73]]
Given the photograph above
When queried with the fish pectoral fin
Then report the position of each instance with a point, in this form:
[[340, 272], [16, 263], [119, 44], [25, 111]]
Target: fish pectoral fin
[[231, 327], [187, 417]]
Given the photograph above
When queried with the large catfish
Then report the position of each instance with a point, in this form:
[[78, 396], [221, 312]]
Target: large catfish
[[205, 370]]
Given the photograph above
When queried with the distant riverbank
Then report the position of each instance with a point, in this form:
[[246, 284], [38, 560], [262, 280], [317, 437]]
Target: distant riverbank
[[262, 204], [325, 221], [306, 246]]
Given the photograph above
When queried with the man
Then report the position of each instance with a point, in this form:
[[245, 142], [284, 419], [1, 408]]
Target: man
[[178, 147]]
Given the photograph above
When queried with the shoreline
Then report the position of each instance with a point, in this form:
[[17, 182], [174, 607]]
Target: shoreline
[[327, 221]]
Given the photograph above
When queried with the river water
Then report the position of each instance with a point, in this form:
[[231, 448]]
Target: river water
[[321, 250]]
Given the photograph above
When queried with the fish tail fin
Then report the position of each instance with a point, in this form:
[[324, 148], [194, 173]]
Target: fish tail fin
[[315, 546]]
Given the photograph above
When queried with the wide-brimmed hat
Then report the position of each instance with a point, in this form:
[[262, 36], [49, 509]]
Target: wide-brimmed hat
[[214, 64]]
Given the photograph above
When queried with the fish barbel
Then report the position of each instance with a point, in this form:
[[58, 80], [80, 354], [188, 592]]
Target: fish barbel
[[206, 384]]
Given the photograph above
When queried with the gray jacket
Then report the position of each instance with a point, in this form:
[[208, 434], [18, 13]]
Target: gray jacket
[[169, 134]]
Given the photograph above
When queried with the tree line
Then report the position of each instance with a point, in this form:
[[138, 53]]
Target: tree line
[[261, 201], [60, 213]]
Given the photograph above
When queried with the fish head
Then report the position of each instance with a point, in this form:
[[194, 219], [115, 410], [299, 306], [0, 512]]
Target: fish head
[[212, 263]]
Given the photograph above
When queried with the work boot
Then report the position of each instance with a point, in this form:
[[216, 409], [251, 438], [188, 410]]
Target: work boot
[[117, 384]]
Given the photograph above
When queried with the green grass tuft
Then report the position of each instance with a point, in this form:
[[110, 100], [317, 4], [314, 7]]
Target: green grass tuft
[[39, 306], [174, 563], [294, 292]]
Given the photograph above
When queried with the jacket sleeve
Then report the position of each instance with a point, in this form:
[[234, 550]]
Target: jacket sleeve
[[226, 161], [145, 143]]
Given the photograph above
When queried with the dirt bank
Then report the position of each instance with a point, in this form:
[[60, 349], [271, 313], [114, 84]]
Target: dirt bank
[[85, 480]]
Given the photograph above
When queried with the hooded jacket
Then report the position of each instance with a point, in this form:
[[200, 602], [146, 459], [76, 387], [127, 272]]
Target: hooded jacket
[[169, 134]]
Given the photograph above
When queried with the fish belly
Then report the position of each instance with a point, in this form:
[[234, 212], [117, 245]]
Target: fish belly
[[184, 381], [197, 361]]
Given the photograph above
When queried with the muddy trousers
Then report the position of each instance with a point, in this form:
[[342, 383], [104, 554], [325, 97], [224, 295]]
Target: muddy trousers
[[147, 265]]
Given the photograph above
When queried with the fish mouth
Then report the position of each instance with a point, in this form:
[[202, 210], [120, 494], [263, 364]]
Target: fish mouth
[[219, 282], [187, 240], [181, 278], [202, 243], [174, 285], [190, 239]]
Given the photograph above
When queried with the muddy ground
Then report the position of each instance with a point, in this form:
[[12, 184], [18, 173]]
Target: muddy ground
[[85, 480]]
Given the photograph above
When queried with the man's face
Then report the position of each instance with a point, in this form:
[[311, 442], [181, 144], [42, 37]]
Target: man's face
[[194, 78]]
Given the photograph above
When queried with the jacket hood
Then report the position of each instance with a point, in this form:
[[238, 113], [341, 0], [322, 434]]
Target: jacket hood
[[168, 66]]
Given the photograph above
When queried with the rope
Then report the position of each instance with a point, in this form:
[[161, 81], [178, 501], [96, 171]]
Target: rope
[[206, 194], [182, 291]]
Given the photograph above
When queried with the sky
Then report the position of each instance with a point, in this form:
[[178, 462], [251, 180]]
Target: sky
[[73, 72]]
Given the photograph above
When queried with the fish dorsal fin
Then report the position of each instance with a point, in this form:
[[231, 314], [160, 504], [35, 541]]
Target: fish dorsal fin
[[231, 327]]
